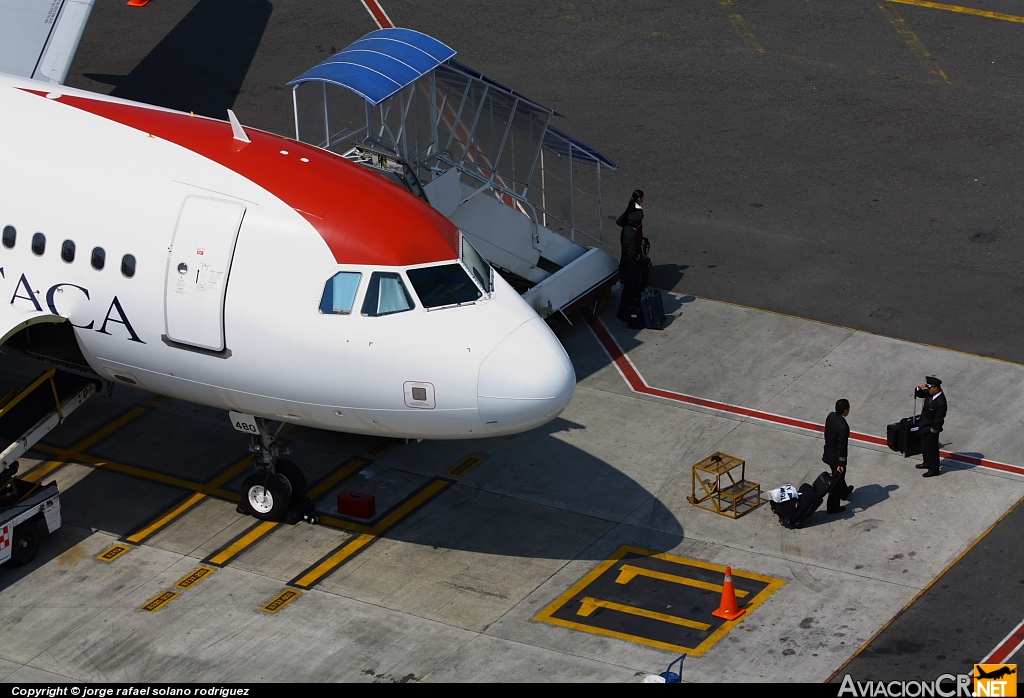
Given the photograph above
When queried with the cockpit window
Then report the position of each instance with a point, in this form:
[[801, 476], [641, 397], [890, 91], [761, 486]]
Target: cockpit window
[[340, 293], [385, 295], [478, 265], [447, 284]]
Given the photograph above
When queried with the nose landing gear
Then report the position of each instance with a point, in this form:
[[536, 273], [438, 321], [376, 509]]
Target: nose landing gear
[[277, 490]]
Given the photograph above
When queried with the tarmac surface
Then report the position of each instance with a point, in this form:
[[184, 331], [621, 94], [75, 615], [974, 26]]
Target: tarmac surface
[[848, 163]]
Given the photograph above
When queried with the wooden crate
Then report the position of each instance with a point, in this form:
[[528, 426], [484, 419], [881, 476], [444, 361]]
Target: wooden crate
[[714, 478]]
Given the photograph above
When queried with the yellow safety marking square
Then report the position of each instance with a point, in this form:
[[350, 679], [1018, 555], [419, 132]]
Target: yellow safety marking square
[[158, 602], [465, 465], [380, 448], [194, 577], [113, 553], [281, 600], [658, 600]]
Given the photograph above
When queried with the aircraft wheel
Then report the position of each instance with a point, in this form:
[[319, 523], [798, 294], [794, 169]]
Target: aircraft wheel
[[295, 478], [268, 501], [24, 543]]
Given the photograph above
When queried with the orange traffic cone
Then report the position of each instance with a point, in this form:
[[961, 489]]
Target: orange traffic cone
[[728, 609]]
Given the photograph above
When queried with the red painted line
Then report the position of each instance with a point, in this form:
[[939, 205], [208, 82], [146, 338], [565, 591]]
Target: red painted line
[[638, 384], [1007, 648], [378, 14]]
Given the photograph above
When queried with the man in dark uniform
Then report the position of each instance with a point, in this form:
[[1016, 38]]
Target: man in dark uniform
[[629, 264], [933, 414], [837, 439]]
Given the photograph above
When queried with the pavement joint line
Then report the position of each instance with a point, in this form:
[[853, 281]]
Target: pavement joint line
[[65, 455], [635, 380], [912, 40], [921, 593], [367, 535], [962, 10], [243, 542], [740, 26]]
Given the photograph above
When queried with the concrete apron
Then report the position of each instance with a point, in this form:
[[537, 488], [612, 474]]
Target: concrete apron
[[452, 592]]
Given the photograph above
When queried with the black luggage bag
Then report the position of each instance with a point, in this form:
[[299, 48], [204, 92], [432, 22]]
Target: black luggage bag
[[784, 510], [809, 502], [823, 484], [653, 309], [905, 435]]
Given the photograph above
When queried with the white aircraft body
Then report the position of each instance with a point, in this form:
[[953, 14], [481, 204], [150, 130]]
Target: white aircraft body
[[246, 271]]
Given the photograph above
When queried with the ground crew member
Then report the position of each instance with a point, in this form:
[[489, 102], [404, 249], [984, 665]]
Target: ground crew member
[[837, 439], [933, 414]]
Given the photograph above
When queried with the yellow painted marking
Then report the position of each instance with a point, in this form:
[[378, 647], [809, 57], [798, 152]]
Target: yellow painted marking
[[231, 473], [629, 572], [63, 456], [346, 469], [112, 553], [10, 403], [281, 600], [916, 47], [194, 577], [165, 519], [962, 10], [393, 516], [158, 602], [157, 399], [380, 448], [546, 616], [589, 604], [292, 431], [465, 465], [325, 567], [366, 534], [244, 542], [740, 26]]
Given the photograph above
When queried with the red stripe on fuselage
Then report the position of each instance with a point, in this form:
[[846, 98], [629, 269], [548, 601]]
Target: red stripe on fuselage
[[364, 218]]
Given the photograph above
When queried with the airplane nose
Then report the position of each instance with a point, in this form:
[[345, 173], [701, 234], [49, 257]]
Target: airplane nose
[[526, 381]]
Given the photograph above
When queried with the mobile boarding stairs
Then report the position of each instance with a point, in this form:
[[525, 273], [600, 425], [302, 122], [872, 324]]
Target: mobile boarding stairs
[[527, 195]]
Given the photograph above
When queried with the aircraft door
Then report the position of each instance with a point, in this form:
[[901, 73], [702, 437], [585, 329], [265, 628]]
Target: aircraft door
[[197, 271]]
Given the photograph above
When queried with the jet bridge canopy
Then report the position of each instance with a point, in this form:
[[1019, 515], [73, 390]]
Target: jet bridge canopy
[[482, 153]]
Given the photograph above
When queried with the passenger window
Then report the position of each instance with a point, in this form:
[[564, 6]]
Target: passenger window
[[99, 258], [67, 251], [38, 244], [128, 266], [385, 295], [340, 293], [10, 235], [478, 265], [443, 285]]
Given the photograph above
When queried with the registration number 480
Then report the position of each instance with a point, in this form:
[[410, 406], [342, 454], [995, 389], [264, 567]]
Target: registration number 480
[[243, 422]]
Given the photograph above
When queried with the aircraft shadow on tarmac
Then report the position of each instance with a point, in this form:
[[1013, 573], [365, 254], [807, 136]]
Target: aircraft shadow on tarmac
[[535, 496], [201, 64]]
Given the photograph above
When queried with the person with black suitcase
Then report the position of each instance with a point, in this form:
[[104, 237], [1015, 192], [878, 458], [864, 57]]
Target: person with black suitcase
[[933, 415], [630, 264], [837, 439]]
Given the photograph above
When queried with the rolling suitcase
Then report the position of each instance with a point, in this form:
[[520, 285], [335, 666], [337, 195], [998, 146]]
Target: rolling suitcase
[[809, 503], [785, 510], [823, 484], [905, 436], [910, 436], [653, 309]]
